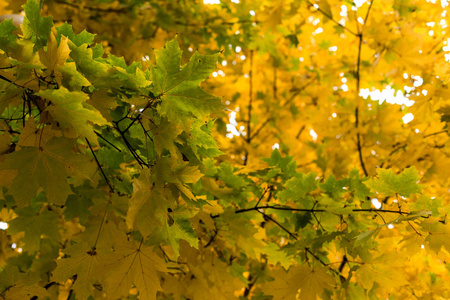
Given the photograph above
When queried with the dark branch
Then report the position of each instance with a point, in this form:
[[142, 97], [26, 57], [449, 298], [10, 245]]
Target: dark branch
[[435, 133], [100, 136], [249, 115], [279, 225], [315, 210], [100, 166], [358, 82], [342, 278], [331, 19]]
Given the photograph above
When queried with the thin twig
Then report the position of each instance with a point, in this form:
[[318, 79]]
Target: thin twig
[[331, 18], [249, 114], [435, 133], [100, 136], [100, 166], [279, 225], [257, 208], [325, 264], [358, 82], [213, 237], [103, 10], [260, 198]]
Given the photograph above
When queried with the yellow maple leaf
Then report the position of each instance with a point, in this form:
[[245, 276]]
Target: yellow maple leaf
[[55, 55], [311, 283], [132, 263]]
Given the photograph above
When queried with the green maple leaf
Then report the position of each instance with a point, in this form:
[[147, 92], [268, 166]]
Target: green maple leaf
[[334, 187], [388, 183], [7, 38], [180, 229], [202, 142], [179, 88], [72, 79], [129, 77], [41, 167], [94, 70], [36, 27], [83, 37], [78, 204], [226, 173], [276, 255], [71, 110], [356, 184], [438, 235], [286, 164], [298, 187], [426, 203], [36, 227]]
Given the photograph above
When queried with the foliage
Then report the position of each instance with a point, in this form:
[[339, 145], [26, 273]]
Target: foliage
[[129, 177]]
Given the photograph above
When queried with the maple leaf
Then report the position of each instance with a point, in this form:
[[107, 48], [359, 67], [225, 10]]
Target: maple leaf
[[133, 263], [78, 39], [356, 184], [78, 203], [35, 26], [202, 142], [298, 187], [438, 235], [276, 255], [311, 283], [71, 78], [71, 111], [36, 227], [294, 77], [7, 38], [41, 167], [86, 263], [146, 210], [55, 55], [16, 285], [385, 270], [388, 183], [177, 173], [95, 71], [31, 136], [180, 228], [179, 90]]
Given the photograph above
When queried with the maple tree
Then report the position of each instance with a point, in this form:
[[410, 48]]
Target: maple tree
[[259, 166]]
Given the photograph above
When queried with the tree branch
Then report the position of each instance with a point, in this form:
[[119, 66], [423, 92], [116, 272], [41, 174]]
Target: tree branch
[[331, 18], [358, 82], [342, 278], [100, 167], [257, 208], [100, 136], [279, 225], [435, 133], [250, 100]]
